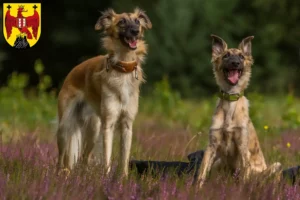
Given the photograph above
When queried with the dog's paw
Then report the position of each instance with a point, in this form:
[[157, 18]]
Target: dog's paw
[[64, 172], [276, 167], [199, 183]]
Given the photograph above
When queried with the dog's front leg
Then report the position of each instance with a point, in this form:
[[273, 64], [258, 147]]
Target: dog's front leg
[[126, 140], [209, 155], [127, 118], [110, 110], [108, 134], [275, 170], [241, 137]]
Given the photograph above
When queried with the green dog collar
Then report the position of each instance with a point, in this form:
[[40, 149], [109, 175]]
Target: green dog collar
[[230, 97]]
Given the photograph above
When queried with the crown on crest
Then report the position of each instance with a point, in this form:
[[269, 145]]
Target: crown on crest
[[21, 6]]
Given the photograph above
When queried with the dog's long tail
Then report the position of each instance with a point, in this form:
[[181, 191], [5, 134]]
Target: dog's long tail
[[69, 136], [75, 147]]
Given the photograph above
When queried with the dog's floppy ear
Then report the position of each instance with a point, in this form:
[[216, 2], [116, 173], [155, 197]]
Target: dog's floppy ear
[[218, 45], [106, 19], [246, 45], [144, 19]]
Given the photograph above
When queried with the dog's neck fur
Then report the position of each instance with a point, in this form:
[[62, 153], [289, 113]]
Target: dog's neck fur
[[122, 53]]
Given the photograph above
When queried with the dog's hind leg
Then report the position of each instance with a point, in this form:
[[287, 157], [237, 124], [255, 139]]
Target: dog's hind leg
[[91, 134], [62, 148]]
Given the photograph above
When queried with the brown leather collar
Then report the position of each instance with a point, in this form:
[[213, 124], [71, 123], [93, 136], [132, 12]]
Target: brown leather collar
[[121, 66]]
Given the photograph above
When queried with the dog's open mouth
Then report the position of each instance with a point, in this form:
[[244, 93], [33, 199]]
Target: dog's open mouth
[[233, 75], [132, 42]]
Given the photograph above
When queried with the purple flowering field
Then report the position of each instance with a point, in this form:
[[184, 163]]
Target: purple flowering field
[[28, 151], [27, 171]]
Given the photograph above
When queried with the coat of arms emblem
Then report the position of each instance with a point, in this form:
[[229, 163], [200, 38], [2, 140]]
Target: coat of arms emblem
[[22, 24]]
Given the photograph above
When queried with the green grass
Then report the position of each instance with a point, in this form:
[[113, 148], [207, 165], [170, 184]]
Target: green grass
[[166, 128]]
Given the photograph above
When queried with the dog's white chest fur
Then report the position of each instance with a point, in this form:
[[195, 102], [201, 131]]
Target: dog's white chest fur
[[229, 110], [126, 90], [227, 144], [122, 87]]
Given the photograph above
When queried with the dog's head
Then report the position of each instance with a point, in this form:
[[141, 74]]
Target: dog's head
[[128, 28], [232, 66]]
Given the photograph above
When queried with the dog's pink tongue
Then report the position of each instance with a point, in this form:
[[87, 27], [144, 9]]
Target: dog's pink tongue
[[233, 76], [132, 43]]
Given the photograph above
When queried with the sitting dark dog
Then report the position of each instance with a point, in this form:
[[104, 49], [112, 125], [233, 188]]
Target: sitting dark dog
[[192, 167]]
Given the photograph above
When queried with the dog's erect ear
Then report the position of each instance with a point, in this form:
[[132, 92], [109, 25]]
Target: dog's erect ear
[[144, 19], [246, 45], [105, 21], [218, 45]]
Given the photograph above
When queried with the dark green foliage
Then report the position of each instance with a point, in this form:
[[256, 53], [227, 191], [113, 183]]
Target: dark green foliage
[[179, 43]]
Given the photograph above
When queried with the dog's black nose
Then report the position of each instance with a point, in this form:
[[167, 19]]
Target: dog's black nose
[[235, 63], [134, 32]]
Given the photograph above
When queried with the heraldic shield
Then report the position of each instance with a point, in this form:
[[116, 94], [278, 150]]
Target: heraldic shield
[[22, 24]]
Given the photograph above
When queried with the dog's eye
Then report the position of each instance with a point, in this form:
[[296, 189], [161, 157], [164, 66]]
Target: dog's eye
[[137, 21], [226, 55], [122, 21], [241, 57]]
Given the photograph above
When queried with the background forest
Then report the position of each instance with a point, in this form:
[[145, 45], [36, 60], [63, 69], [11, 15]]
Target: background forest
[[176, 103], [179, 43]]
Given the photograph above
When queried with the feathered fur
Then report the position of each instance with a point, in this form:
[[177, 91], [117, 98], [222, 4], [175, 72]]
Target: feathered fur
[[93, 101], [233, 143]]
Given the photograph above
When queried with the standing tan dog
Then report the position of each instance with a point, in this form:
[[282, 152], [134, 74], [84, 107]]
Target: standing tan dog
[[102, 93], [233, 143]]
